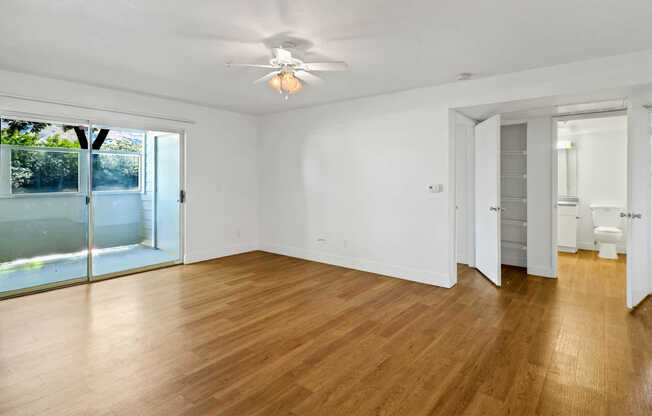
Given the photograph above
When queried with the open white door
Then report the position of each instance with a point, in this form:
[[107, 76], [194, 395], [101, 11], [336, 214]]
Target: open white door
[[487, 198], [639, 279]]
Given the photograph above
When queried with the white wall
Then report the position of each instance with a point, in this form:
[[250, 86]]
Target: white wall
[[601, 177], [221, 173], [355, 173]]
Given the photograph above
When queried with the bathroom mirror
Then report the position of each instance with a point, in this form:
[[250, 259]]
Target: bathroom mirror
[[567, 169]]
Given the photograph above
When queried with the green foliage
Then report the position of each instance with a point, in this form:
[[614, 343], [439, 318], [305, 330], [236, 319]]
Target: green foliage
[[43, 171], [21, 125], [123, 146], [115, 172], [18, 138]]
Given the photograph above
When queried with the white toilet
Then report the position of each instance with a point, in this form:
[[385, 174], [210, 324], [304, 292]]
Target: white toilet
[[606, 229]]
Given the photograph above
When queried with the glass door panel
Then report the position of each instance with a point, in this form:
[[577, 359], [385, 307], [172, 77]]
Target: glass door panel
[[127, 231], [167, 193], [43, 204]]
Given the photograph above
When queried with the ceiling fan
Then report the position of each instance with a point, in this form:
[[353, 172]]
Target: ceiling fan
[[288, 72]]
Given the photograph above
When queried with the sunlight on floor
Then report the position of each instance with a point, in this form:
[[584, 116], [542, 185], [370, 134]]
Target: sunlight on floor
[[42, 270]]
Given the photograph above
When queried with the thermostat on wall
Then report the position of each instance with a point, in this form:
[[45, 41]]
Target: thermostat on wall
[[435, 189]]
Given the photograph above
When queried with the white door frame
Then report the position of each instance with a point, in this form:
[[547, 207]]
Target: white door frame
[[464, 142], [454, 117]]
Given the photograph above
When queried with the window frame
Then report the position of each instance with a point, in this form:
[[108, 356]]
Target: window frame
[[139, 155], [141, 163]]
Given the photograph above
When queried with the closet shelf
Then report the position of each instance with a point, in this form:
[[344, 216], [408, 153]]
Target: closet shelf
[[513, 244], [510, 221], [514, 152], [513, 199], [518, 176]]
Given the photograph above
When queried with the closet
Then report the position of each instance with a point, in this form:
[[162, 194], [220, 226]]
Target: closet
[[513, 193]]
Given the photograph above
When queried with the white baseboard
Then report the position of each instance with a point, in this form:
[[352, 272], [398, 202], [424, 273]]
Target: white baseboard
[[217, 252], [564, 249], [588, 245], [401, 272]]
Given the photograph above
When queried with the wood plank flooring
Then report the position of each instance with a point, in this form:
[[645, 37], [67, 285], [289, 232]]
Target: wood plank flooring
[[263, 334]]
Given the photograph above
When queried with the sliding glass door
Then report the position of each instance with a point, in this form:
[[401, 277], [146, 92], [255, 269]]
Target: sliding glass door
[[80, 202], [43, 204], [136, 207]]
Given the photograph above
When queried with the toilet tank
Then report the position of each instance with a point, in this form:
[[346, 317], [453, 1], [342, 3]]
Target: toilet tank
[[605, 215]]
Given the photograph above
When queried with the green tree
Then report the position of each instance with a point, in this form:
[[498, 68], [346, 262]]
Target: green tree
[[17, 138], [33, 170], [123, 146], [14, 126]]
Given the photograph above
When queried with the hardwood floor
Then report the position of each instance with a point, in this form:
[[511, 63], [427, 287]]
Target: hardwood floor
[[261, 334]]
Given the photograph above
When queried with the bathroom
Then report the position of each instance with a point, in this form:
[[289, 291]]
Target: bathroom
[[592, 188]]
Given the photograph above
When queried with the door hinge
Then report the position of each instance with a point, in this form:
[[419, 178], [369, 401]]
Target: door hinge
[[182, 196]]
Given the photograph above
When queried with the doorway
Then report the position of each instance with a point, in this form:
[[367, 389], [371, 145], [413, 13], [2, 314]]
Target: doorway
[[545, 201], [591, 177], [82, 202]]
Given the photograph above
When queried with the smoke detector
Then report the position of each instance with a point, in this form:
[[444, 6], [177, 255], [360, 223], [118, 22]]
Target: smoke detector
[[464, 76]]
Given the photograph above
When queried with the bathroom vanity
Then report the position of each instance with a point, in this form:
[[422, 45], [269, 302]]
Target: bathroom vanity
[[567, 212]]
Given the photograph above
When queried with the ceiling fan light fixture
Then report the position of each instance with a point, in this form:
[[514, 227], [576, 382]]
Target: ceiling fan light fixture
[[288, 81], [275, 82], [297, 88], [289, 74], [285, 82]]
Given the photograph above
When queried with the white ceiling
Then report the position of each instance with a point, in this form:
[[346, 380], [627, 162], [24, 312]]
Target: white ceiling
[[178, 48]]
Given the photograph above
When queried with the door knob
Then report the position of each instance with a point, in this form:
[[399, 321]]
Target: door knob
[[623, 215], [494, 208]]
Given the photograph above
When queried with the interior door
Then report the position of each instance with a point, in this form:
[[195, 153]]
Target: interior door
[[639, 280], [487, 198]]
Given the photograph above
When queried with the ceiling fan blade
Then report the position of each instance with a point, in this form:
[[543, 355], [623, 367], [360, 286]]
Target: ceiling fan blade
[[266, 77], [229, 65], [308, 78], [325, 66]]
